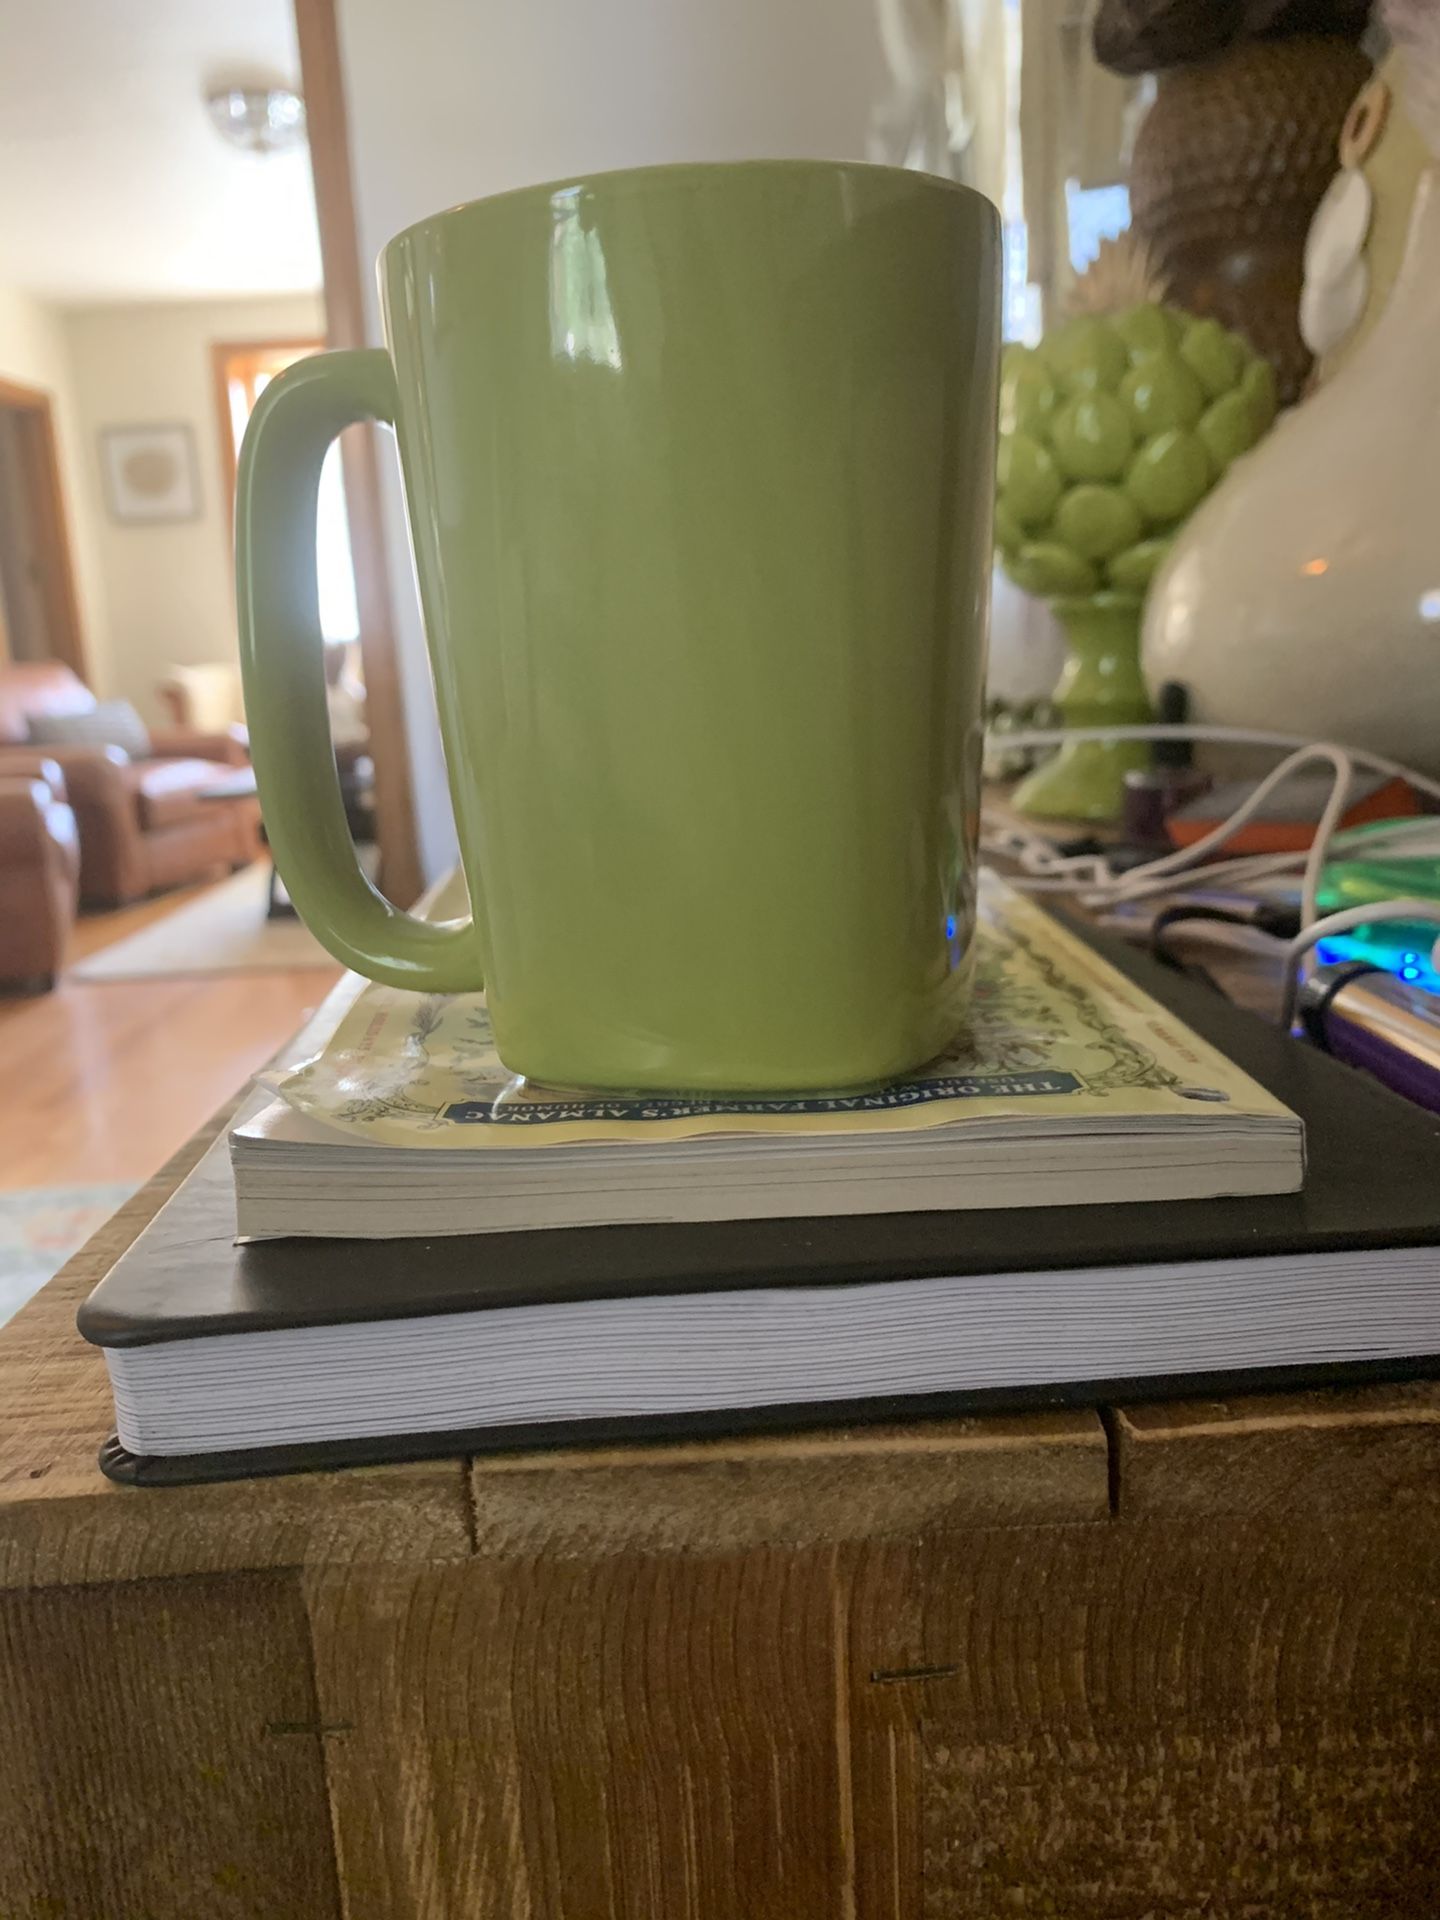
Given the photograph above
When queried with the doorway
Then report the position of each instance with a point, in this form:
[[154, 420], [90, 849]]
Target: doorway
[[243, 370], [39, 612]]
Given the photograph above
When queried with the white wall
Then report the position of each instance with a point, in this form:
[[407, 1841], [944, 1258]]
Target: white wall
[[33, 353], [453, 99], [169, 589]]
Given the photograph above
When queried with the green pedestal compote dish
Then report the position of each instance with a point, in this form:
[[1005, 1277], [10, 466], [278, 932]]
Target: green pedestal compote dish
[[1112, 431]]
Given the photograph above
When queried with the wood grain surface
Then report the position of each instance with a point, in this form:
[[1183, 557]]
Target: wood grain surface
[[801, 1490], [1365, 1449], [1194, 1822], [1080, 1720], [62, 1522], [637, 1736], [1183, 1719], [160, 1755], [674, 1680]]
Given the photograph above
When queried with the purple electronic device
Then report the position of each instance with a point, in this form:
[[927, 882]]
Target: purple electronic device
[[1368, 1017]]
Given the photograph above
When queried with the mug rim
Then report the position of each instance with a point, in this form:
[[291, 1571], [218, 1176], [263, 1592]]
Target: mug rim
[[616, 176]]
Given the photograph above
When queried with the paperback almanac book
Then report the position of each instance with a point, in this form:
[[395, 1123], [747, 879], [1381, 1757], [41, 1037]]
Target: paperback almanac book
[[1069, 1086]]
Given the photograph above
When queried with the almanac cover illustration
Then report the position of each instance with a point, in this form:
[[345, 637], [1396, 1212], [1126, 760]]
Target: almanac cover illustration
[[1053, 1032]]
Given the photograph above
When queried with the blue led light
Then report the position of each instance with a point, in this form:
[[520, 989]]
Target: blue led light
[[1410, 964], [949, 926]]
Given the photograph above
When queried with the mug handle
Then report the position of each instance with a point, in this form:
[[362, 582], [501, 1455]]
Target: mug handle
[[282, 667]]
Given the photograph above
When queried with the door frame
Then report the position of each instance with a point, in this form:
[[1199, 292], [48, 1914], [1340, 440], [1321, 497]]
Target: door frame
[[323, 85], [40, 451], [222, 353]]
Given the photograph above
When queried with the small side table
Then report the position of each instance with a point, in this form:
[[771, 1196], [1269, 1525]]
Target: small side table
[[357, 778], [1177, 1659], [240, 785]]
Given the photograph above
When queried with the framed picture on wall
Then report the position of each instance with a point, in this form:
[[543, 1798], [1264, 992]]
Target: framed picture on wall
[[151, 474]]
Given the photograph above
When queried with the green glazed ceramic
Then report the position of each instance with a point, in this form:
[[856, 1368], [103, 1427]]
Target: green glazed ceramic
[[1101, 686], [699, 464], [1112, 431]]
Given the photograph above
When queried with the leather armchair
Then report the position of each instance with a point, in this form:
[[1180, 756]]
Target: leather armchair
[[144, 824], [226, 746], [39, 879]]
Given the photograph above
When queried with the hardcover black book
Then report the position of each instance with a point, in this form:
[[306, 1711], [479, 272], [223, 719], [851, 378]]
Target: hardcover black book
[[232, 1360]]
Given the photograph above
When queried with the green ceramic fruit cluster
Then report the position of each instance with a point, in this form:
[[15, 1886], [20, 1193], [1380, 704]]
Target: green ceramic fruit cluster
[[1112, 431]]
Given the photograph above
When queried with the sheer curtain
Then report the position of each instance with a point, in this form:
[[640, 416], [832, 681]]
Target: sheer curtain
[[1007, 96]]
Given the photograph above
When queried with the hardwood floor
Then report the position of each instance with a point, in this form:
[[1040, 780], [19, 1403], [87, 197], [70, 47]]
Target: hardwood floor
[[103, 1080], [95, 930]]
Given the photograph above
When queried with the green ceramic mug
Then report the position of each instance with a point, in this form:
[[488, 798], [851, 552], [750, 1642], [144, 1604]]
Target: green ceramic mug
[[699, 464]]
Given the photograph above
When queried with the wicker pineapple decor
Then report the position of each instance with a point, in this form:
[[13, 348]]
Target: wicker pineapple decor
[[1229, 166]]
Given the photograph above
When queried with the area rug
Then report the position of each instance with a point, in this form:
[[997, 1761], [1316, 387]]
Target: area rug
[[224, 930], [40, 1227]]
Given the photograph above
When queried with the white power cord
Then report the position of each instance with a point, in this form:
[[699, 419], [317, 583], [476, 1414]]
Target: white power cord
[[1344, 770], [1097, 884], [1091, 875]]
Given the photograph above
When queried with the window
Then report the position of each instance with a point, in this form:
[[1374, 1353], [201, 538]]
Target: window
[[242, 374], [1096, 214]]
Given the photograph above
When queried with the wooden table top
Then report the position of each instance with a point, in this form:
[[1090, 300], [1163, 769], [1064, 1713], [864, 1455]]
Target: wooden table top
[[62, 1522]]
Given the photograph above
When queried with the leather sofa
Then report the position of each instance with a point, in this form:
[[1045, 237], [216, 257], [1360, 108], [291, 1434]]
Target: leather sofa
[[144, 824], [39, 879]]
